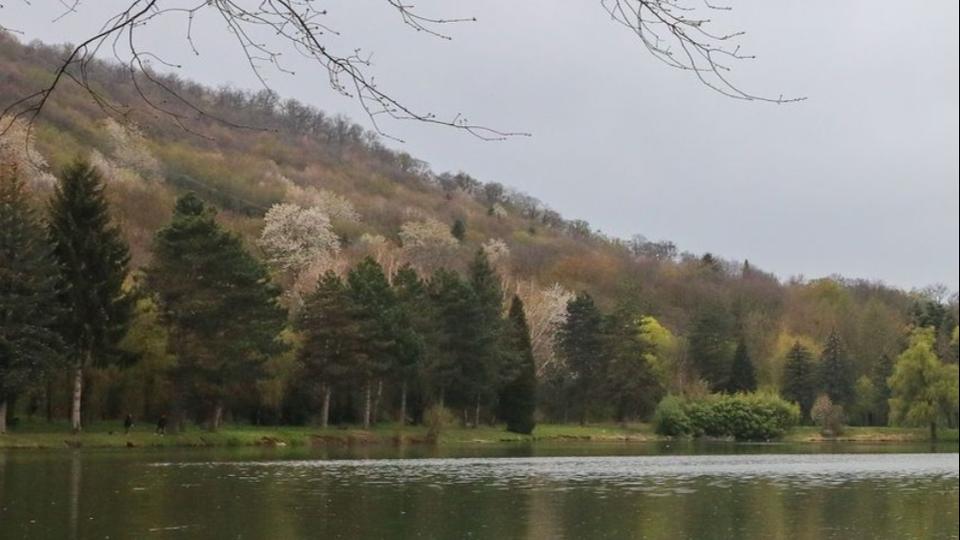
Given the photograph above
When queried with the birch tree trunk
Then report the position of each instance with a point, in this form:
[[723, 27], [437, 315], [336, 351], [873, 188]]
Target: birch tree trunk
[[77, 397], [476, 413], [367, 399], [325, 411], [376, 401], [217, 417]]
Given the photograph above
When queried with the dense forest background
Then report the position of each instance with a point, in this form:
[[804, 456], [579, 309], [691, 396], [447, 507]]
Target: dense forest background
[[271, 166]]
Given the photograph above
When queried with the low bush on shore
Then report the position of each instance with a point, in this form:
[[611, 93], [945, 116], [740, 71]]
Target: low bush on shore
[[746, 417]]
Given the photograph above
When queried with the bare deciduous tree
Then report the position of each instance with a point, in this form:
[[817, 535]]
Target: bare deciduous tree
[[676, 32]]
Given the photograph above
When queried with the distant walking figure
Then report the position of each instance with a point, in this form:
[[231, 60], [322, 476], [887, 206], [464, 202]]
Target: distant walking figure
[[127, 423], [162, 425]]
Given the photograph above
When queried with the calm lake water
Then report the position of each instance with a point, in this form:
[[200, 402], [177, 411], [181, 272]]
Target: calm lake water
[[539, 491]]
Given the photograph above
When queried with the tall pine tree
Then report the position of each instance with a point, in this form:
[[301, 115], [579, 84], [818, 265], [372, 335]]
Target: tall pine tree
[[416, 331], [221, 307], [581, 346], [29, 343], [632, 384], [482, 359], [331, 339], [799, 383], [743, 376], [711, 347], [518, 395], [836, 372], [93, 260], [377, 313], [453, 304]]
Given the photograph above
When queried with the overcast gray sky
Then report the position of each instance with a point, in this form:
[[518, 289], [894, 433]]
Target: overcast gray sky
[[861, 179]]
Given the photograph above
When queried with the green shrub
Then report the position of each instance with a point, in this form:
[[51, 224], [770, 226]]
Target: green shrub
[[750, 417], [670, 418]]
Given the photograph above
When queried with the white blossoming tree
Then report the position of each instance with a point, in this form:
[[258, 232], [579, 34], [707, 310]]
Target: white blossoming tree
[[546, 311], [300, 242], [428, 244]]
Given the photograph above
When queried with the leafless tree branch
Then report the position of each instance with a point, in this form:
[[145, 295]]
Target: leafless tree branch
[[670, 30]]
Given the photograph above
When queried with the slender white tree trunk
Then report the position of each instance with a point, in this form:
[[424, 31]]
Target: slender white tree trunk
[[217, 418], [325, 411], [376, 401], [476, 413], [77, 397], [367, 403], [3, 416], [403, 403]]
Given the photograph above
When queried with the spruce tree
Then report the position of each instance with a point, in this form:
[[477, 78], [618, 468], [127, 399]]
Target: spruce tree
[[29, 343], [93, 260], [221, 307], [581, 347], [453, 305], [710, 345], [377, 313], [631, 382], [483, 354], [416, 332], [518, 395], [743, 376], [799, 383], [836, 372], [331, 339]]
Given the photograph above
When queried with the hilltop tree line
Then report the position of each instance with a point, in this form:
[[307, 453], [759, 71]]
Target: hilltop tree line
[[214, 328]]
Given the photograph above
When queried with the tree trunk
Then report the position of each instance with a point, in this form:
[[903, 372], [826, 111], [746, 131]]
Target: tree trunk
[[933, 431], [403, 403], [367, 402], [476, 413], [441, 398], [325, 411], [3, 415], [376, 401], [77, 397], [217, 417]]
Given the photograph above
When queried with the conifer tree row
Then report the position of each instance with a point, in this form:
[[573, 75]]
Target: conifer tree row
[[29, 343]]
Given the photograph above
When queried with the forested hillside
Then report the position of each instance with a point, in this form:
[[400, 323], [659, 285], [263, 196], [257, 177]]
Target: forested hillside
[[406, 258]]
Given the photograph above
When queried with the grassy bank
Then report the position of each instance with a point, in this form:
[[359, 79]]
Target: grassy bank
[[110, 435], [871, 434]]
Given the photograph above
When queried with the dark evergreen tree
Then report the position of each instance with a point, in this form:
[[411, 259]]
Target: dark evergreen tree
[[93, 260], [377, 313], [711, 346], [632, 385], [743, 376], [581, 345], [459, 229], [29, 343], [799, 383], [454, 306], [482, 358], [331, 339], [417, 331], [518, 395], [220, 305], [836, 372]]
